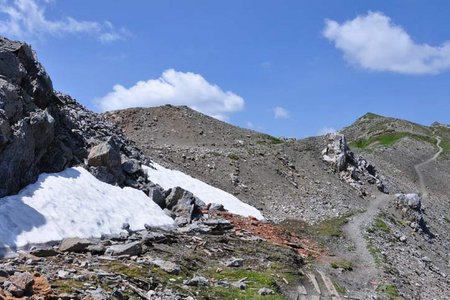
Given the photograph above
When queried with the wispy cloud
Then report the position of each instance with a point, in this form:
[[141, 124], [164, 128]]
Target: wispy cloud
[[375, 43], [177, 88], [280, 113], [25, 19]]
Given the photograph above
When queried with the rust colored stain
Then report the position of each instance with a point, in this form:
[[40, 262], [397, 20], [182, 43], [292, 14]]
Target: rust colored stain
[[273, 234]]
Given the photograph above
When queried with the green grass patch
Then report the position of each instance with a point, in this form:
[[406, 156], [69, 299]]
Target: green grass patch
[[67, 286], [376, 254], [445, 144], [390, 290], [218, 292], [361, 143], [339, 288], [132, 271], [233, 156], [389, 139], [332, 227], [379, 225], [370, 116], [254, 280], [266, 139], [342, 264], [275, 141]]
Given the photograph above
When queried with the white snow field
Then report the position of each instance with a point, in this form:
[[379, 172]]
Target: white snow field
[[73, 203], [167, 178]]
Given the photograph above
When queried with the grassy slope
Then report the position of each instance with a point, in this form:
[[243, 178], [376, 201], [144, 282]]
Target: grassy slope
[[372, 130]]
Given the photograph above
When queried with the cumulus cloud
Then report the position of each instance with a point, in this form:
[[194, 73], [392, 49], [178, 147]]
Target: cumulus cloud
[[374, 42], [25, 19], [280, 113], [177, 88], [326, 130]]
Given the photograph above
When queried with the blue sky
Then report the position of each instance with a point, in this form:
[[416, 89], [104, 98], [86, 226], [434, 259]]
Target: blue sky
[[288, 68]]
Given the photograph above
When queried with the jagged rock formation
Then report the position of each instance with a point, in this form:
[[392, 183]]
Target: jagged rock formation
[[45, 131], [410, 206], [343, 161]]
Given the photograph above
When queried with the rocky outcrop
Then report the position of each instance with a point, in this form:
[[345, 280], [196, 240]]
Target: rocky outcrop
[[352, 170], [410, 206], [45, 131], [27, 127]]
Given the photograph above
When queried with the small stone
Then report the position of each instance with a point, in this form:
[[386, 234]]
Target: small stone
[[157, 237], [123, 235], [197, 281], [96, 249], [126, 226], [44, 252], [167, 266], [63, 274], [235, 263], [426, 259], [239, 285], [223, 283], [403, 239], [265, 291]]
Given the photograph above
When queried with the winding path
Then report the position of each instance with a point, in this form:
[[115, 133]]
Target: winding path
[[417, 167], [355, 228]]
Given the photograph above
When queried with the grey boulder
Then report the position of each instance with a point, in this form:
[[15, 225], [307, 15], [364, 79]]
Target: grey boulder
[[74, 245], [131, 249]]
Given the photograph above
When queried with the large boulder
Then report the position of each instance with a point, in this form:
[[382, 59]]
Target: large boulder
[[184, 204], [74, 245], [134, 248], [410, 207], [107, 155], [21, 284]]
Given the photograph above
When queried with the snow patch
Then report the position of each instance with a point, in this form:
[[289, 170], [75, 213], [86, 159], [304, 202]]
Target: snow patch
[[73, 203], [167, 178]]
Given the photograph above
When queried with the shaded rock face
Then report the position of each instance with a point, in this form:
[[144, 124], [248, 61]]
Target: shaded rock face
[[352, 170], [27, 127], [45, 131]]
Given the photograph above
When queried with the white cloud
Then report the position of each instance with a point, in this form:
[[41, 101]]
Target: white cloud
[[280, 113], [177, 88], [26, 19], [250, 124], [375, 43], [326, 130]]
